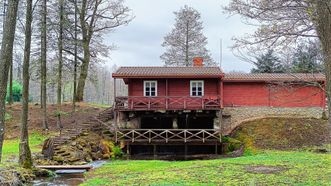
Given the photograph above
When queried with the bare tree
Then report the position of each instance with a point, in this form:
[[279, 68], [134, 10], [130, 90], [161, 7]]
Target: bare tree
[[6, 56], [75, 57], [60, 46], [43, 60], [96, 17], [186, 40], [25, 159], [282, 23]]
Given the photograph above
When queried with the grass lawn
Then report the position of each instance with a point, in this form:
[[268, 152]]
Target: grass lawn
[[11, 147], [289, 168]]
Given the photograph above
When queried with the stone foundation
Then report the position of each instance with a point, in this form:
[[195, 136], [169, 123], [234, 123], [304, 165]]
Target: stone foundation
[[234, 116]]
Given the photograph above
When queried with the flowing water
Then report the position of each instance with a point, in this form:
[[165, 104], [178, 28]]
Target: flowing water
[[66, 177]]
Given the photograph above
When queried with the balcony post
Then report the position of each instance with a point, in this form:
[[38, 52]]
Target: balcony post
[[166, 94], [114, 92]]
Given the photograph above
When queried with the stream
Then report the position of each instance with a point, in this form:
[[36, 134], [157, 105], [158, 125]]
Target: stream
[[65, 177]]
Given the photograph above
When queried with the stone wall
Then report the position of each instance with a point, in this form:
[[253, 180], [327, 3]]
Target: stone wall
[[234, 116]]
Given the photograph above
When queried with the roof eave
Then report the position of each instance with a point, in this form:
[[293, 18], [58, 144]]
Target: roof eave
[[167, 76]]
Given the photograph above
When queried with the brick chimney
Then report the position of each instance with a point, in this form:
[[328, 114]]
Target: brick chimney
[[198, 62]]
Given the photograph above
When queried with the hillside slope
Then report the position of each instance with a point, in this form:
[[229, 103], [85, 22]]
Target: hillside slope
[[283, 133]]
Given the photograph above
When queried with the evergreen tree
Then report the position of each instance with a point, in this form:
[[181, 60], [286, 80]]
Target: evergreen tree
[[307, 58], [268, 63], [186, 40]]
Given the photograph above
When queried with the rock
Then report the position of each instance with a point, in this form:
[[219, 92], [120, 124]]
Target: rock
[[106, 156], [84, 134], [321, 151], [73, 159], [106, 146], [80, 163], [79, 147], [82, 143], [97, 155], [88, 159], [58, 158], [61, 151], [42, 172], [74, 143]]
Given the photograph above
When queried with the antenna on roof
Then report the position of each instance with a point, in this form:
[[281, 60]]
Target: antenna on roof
[[221, 51]]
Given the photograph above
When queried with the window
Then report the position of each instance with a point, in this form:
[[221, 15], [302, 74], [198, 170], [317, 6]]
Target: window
[[197, 88], [150, 88]]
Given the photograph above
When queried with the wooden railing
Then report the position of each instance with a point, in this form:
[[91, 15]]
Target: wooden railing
[[167, 103], [167, 135]]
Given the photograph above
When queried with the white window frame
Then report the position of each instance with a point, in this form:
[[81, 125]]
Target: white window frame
[[150, 82], [191, 86]]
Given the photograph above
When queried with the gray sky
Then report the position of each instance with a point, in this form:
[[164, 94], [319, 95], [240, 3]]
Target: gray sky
[[139, 43]]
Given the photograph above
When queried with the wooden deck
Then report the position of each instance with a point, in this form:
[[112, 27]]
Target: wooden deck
[[168, 103], [165, 136]]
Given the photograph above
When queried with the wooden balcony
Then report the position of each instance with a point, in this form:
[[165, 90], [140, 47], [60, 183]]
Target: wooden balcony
[[168, 136], [168, 103]]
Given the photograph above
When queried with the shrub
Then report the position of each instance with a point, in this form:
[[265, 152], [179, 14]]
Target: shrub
[[17, 92], [117, 152]]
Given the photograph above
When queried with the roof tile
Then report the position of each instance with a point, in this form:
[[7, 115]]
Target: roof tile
[[168, 72], [274, 77]]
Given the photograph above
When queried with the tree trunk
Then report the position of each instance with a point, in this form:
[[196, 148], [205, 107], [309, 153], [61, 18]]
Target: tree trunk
[[323, 20], [83, 72], [11, 96], [43, 63], [25, 159], [75, 62], [6, 58], [187, 45], [59, 80]]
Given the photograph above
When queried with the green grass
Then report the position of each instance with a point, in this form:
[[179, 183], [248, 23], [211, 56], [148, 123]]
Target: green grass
[[301, 168], [99, 105], [11, 147]]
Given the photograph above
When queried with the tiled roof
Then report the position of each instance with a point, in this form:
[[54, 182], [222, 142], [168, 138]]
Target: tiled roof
[[171, 72], [274, 77]]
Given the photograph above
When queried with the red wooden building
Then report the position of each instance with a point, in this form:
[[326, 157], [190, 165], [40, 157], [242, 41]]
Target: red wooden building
[[183, 105]]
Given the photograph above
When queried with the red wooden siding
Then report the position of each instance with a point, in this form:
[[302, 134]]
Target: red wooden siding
[[263, 94], [176, 87]]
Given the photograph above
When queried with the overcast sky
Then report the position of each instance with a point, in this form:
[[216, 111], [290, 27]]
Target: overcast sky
[[139, 43]]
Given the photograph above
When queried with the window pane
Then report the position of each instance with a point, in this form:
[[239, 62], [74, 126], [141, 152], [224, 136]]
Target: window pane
[[153, 94], [199, 84], [153, 89], [200, 89], [147, 94], [152, 84]]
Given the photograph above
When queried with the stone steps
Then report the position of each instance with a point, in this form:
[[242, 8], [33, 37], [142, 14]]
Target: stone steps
[[92, 123]]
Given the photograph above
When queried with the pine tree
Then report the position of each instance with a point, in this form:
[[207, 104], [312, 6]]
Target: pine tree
[[186, 40], [307, 58], [268, 63]]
